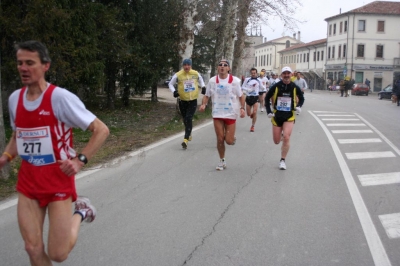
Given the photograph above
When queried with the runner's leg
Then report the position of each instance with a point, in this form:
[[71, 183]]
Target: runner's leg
[[276, 134], [219, 127], [63, 229], [191, 109], [30, 220], [287, 131], [230, 133]]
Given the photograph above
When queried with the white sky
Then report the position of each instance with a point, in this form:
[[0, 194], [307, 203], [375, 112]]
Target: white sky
[[314, 12]]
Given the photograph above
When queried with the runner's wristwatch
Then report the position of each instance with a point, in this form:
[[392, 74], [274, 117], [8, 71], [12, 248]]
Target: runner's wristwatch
[[82, 158]]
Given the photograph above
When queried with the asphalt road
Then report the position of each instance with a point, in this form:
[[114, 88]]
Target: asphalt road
[[338, 202]]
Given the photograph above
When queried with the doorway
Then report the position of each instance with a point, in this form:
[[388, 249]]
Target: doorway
[[377, 84]]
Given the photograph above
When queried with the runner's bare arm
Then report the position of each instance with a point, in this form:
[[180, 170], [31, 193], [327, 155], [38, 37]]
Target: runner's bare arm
[[100, 133], [203, 103], [9, 152]]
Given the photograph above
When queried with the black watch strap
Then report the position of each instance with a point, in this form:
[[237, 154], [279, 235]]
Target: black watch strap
[[82, 158]]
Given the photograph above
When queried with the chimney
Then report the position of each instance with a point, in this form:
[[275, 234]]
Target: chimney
[[299, 35]]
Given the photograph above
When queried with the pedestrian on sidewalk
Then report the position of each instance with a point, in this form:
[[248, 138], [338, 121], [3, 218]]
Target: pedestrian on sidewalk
[[228, 103], [42, 116], [188, 81]]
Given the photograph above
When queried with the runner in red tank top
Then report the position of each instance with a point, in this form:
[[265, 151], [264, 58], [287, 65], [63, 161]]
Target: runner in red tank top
[[46, 178]]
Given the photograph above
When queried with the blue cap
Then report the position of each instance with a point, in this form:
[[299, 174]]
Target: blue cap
[[187, 61]]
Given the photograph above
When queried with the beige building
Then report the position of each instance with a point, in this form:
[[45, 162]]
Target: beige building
[[307, 58], [266, 55], [364, 43]]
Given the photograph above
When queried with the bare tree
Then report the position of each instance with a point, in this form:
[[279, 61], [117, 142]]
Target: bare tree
[[258, 12], [187, 31], [243, 21], [226, 30]]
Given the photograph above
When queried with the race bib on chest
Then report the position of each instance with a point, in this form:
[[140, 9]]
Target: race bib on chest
[[35, 146], [188, 85], [284, 104]]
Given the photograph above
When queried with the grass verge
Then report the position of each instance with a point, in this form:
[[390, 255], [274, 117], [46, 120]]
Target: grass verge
[[131, 128]]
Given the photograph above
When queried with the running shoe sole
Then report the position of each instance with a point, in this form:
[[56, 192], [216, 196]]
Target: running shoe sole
[[184, 145]]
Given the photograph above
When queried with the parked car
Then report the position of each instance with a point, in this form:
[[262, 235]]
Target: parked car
[[360, 89], [167, 81], [386, 93]]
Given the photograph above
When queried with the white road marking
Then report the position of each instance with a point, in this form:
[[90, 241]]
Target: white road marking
[[369, 155], [391, 223], [340, 119], [352, 131], [353, 141], [346, 125], [330, 112], [335, 115], [375, 245], [379, 179], [397, 150]]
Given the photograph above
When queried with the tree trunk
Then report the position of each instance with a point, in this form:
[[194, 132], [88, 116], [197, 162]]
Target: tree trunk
[[187, 31], [226, 31], [110, 93], [5, 171], [154, 92], [243, 14]]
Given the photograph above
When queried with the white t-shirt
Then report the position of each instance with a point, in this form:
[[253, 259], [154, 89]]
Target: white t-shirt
[[265, 83], [252, 86], [225, 97], [67, 108]]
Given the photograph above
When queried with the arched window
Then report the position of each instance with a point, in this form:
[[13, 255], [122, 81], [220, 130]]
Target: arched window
[[287, 44]]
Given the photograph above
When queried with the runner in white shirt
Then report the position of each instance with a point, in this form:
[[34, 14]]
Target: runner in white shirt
[[228, 103], [251, 87], [263, 90]]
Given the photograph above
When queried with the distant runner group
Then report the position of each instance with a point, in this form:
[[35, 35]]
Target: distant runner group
[[280, 97]]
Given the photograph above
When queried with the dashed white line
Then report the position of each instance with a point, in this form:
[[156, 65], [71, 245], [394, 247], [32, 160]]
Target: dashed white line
[[369, 155], [391, 223], [375, 245], [346, 125], [355, 141], [379, 179], [335, 115], [352, 131], [340, 119]]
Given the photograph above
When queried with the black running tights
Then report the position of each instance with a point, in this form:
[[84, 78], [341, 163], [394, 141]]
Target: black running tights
[[187, 109]]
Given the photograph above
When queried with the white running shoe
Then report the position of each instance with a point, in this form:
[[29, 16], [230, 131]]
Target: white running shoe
[[282, 165], [262, 109], [86, 210], [221, 165]]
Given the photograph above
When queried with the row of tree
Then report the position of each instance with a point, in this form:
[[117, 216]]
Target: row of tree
[[104, 50], [101, 47]]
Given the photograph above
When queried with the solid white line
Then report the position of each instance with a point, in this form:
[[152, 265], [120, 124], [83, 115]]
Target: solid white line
[[391, 223], [97, 168], [369, 155], [351, 131], [352, 141], [335, 115], [375, 245], [8, 204], [346, 125], [397, 150], [379, 179], [340, 119]]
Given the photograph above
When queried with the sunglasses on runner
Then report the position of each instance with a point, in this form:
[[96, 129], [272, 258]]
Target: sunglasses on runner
[[225, 65]]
